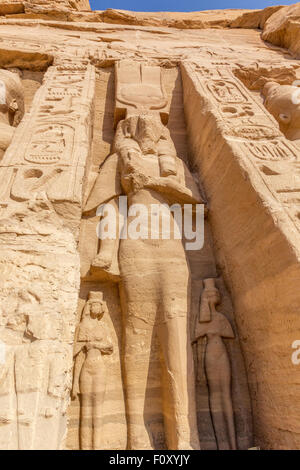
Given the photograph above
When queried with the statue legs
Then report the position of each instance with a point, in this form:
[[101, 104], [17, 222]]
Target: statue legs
[[178, 388], [179, 404], [155, 295], [92, 388]]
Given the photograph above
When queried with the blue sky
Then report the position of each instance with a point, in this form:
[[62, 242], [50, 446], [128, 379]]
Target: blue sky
[[183, 5]]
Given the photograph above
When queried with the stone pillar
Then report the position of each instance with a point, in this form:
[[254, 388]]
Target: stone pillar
[[42, 173], [249, 172]]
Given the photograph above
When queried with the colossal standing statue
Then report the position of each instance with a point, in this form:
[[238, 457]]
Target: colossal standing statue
[[92, 342], [11, 107], [155, 276]]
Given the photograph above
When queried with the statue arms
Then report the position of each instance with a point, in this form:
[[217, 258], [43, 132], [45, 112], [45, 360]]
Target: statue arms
[[107, 184]]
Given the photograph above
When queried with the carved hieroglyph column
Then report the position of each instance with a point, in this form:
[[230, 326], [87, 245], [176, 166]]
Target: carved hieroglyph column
[[42, 174], [250, 173]]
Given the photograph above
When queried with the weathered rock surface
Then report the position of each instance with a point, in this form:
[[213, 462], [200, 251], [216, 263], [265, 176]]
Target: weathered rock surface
[[283, 29], [144, 342]]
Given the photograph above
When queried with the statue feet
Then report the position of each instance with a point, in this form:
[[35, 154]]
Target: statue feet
[[185, 445]]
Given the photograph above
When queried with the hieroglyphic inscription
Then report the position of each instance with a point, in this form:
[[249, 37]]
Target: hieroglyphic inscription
[[54, 138], [251, 130]]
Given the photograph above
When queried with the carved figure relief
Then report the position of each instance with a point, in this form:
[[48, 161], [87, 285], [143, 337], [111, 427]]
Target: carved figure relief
[[215, 326], [12, 107], [155, 285], [89, 382]]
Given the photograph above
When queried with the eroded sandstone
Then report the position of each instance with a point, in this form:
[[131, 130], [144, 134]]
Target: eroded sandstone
[[148, 342]]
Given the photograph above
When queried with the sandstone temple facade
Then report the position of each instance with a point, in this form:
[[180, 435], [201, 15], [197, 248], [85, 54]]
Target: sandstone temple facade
[[141, 343]]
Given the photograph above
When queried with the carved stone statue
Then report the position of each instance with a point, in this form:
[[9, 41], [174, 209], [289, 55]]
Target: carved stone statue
[[89, 380], [155, 276], [282, 101], [32, 366], [215, 326], [11, 107], [36, 369]]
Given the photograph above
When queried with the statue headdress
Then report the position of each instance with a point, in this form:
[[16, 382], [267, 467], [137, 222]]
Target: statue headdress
[[205, 312]]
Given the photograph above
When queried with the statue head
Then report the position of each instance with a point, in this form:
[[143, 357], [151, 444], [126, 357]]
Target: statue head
[[210, 298], [96, 309], [95, 306], [283, 102], [146, 129], [11, 98]]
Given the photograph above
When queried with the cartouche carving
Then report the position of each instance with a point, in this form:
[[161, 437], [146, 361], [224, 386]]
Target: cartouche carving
[[215, 326], [89, 381]]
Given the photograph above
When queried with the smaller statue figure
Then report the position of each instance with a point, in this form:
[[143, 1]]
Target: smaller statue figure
[[89, 382], [283, 102], [136, 136], [215, 326], [11, 107]]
